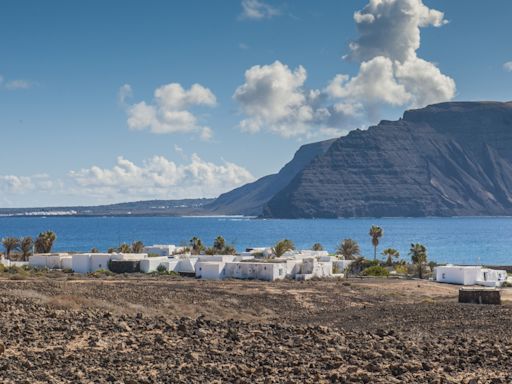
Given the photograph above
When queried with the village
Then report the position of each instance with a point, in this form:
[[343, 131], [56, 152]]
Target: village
[[280, 262]]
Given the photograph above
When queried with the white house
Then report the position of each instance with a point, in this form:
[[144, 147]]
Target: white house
[[470, 275], [210, 270], [160, 249], [50, 260], [92, 262], [255, 270], [151, 264]]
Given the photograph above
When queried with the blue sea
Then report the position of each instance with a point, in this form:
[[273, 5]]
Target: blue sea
[[453, 240]]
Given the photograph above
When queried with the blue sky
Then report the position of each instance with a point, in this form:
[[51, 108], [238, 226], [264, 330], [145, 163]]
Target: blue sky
[[67, 136]]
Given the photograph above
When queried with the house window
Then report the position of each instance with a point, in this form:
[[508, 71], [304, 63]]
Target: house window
[[444, 276]]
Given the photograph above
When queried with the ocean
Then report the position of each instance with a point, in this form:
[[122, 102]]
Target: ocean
[[467, 240]]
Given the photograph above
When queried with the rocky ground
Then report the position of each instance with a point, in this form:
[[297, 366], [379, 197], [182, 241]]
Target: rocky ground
[[56, 329]]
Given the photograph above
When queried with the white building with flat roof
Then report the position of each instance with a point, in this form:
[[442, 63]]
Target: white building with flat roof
[[470, 275]]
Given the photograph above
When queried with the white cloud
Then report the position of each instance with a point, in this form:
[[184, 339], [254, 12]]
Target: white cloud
[[170, 111], [13, 85], [125, 92], [390, 71], [257, 10], [11, 184], [273, 98], [508, 66], [391, 28], [16, 84], [155, 178], [160, 178]]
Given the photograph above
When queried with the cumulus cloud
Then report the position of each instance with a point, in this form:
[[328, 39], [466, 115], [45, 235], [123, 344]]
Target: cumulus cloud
[[170, 111], [257, 10], [273, 97], [508, 66], [12, 184], [159, 177], [391, 73]]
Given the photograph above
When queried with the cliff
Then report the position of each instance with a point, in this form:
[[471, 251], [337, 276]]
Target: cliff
[[447, 159]]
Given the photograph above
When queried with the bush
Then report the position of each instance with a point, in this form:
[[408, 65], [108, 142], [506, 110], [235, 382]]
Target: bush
[[375, 270], [101, 273], [401, 269]]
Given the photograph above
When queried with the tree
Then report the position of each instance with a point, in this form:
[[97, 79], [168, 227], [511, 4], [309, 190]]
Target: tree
[[390, 253], [26, 244], [137, 247], [282, 247], [219, 244], [124, 248], [376, 233], [96, 250], [44, 242], [317, 247], [10, 244], [349, 249], [418, 254], [196, 245]]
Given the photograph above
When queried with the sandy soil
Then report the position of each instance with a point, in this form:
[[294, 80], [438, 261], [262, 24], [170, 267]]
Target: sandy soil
[[165, 329]]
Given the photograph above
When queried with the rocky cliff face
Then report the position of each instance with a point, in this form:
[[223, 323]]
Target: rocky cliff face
[[249, 199], [447, 159]]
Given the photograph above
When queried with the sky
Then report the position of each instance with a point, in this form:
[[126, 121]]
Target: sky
[[104, 102]]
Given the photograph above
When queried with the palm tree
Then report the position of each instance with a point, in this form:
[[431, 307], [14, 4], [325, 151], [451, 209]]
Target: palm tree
[[349, 249], [26, 244], [390, 253], [418, 254], [197, 245], [376, 233], [10, 244], [137, 246], [96, 250], [44, 242], [317, 247], [219, 243], [124, 248], [282, 247]]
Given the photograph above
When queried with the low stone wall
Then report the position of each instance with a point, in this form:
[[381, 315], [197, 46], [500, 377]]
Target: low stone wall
[[480, 296]]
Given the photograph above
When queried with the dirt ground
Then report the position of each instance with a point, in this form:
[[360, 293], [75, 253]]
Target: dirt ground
[[167, 329]]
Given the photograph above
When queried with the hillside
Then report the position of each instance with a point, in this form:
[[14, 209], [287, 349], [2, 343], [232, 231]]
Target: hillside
[[448, 159], [249, 199]]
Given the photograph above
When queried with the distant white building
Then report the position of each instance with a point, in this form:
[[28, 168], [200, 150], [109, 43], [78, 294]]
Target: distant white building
[[470, 275], [92, 262], [160, 249], [50, 260], [255, 270]]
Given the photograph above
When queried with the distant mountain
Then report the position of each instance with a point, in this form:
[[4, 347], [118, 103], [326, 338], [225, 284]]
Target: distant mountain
[[250, 198], [447, 159], [138, 208]]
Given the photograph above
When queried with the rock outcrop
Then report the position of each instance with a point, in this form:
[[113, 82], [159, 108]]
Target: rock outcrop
[[249, 199], [449, 159]]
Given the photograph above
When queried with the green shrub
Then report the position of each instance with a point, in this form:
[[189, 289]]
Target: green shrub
[[375, 270], [401, 269]]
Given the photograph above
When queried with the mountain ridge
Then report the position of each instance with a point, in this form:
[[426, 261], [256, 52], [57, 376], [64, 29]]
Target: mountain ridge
[[448, 159]]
